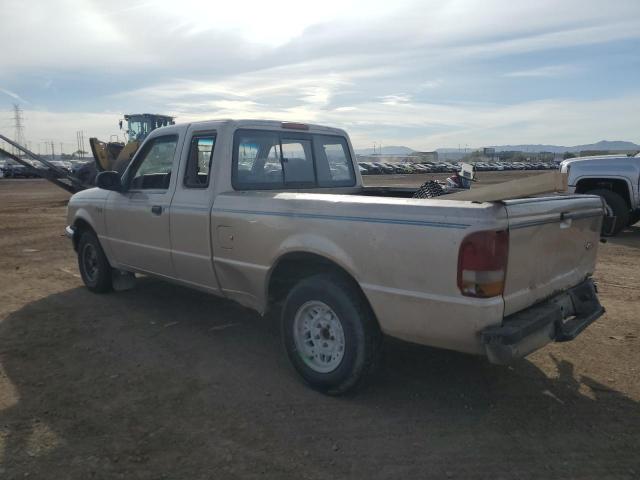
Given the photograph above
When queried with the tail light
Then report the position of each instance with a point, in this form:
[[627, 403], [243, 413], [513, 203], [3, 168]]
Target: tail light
[[482, 263]]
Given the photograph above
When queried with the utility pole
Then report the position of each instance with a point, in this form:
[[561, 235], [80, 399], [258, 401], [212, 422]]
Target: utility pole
[[80, 140], [60, 149], [53, 153]]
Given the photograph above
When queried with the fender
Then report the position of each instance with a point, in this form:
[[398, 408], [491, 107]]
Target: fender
[[83, 214], [633, 194], [312, 244]]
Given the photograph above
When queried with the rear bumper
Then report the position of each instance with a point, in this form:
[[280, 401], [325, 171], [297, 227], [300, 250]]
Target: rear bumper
[[560, 319]]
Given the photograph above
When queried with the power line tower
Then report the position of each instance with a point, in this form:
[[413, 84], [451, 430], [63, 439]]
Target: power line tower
[[80, 139], [18, 126]]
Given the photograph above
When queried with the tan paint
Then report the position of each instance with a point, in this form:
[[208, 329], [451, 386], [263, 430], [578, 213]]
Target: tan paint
[[402, 252]]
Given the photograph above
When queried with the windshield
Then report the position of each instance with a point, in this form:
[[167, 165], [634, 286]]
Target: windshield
[[138, 129]]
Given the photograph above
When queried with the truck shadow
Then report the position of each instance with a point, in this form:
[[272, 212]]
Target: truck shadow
[[162, 380], [629, 237]]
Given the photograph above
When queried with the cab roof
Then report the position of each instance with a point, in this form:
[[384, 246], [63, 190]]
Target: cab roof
[[300, 127]]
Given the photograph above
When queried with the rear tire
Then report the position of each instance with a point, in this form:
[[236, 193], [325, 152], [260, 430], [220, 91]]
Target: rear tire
[[93, 264], [617, 207], [330, 334]]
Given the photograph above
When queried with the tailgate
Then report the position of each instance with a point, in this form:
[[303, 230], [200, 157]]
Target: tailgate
[[552, 246]]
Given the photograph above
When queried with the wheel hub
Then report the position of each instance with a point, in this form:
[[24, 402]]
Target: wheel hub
[[90, 261], [319, 336]]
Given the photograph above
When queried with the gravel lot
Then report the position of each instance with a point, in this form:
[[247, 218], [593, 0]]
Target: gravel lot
[[164, 382]]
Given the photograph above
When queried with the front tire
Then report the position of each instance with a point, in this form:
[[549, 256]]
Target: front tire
[[616, 206], [330, 334], [93, 264]]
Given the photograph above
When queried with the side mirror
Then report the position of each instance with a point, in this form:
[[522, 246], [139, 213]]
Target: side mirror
[[109, 181]]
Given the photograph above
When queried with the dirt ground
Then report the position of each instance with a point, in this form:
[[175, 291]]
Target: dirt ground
[[164, 382]]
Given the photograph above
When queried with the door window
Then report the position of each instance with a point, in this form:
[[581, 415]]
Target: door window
[[199, 162], [153, 170]]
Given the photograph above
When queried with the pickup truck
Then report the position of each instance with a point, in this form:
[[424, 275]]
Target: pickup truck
[[275, 216], [615, 178]]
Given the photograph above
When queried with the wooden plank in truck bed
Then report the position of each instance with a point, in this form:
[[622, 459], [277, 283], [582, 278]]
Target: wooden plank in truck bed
[[521, 187]]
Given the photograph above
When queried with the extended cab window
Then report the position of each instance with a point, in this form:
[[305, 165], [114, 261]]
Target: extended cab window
[[153, 169], [199, 161], [335, 168], [278, 160]]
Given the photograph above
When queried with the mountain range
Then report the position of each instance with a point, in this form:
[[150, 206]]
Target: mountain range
[[607, 145], [390, 150]]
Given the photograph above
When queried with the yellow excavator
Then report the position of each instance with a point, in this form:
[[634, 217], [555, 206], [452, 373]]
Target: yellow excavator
[[115, 156]]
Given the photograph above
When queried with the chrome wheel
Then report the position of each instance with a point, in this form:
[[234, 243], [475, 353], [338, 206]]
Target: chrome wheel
[[318, 336], [90, 262]]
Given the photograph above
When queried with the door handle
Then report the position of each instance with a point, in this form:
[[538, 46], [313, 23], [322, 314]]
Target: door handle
[[156, 210]]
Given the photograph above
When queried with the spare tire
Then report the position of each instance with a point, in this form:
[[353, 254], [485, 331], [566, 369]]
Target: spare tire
[[616, 207]]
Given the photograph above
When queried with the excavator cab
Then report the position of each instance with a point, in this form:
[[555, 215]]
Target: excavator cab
[[115, 156]]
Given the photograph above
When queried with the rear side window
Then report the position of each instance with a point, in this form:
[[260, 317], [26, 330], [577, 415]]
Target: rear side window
[[335, 168], [198, 168], [280, 160]]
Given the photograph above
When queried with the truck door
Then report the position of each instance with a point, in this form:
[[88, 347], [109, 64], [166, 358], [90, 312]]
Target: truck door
[[190, 215], [138, 218]]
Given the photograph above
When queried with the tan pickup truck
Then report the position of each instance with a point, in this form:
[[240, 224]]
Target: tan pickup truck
[[274, 216]]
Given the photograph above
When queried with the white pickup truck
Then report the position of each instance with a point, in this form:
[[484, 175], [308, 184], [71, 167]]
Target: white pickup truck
[[615, 178], [274, 216]]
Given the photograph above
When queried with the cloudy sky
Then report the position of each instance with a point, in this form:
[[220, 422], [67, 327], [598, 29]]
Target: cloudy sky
[[424, 74]]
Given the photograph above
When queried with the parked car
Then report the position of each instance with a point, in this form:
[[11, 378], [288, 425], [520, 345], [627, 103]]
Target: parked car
[[18, 171], [64, 165], [403, 168], [616, 179], [337, 260], [372, 168], [429, 167], [386, 167]]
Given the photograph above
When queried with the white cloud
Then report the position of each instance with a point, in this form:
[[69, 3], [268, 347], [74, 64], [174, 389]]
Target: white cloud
[[396, 99], [85, 34], [562, 122], [383, 70], [548, 71]]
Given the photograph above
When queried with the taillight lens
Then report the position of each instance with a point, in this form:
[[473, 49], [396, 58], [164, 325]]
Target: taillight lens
[[482, 263]]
